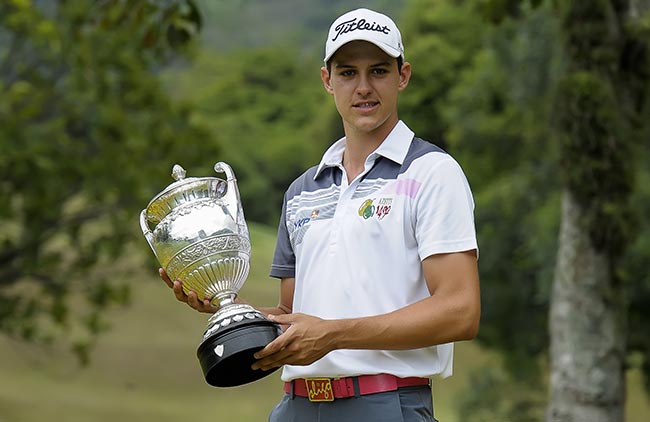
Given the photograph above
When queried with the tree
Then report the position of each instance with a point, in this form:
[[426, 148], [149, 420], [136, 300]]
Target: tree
[[602, 108], [87, 135], [490, 109], [494, 113], [497, 114]]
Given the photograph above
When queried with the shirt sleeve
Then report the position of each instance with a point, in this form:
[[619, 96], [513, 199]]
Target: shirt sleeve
[[444, 210], [284, 260]]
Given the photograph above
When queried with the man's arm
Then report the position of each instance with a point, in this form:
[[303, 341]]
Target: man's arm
[[451, 313], [285, 303]]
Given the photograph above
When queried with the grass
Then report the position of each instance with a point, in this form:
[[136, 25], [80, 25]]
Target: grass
[[145, 369]]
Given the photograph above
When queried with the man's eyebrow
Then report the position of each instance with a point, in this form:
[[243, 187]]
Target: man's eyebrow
[[349, 66]]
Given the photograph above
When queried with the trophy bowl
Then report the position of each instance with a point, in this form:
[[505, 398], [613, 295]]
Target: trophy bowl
[[196, 230]]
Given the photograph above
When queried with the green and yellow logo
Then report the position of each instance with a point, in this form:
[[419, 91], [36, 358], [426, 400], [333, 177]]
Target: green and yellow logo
[[367, 209]]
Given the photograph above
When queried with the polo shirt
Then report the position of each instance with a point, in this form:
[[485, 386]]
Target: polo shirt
[[355, 249]]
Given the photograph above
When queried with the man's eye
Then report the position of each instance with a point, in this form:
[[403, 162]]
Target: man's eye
[[347, 73], [379, 71]]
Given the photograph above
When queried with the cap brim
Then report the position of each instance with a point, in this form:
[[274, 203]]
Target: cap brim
[[393, 52]]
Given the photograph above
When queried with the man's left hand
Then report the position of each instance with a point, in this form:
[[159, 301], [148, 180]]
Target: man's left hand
[[305, 341]]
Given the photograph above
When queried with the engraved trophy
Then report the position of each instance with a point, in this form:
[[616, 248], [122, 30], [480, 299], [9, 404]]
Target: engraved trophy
[[196, 230]]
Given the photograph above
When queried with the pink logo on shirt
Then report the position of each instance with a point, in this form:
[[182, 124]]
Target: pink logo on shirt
[[406, 187]]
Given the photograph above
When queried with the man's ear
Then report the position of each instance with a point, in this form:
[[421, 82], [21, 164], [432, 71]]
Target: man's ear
[[404, 76], [327, 81]]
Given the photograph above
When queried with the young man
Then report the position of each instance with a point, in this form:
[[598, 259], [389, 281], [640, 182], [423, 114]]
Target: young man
[[376, 251]]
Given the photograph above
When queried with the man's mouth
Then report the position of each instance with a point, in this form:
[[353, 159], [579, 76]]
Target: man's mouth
[[366, 104]]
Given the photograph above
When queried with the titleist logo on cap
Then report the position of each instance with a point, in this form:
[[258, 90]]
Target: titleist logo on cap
[[364, 25], [361, 25]]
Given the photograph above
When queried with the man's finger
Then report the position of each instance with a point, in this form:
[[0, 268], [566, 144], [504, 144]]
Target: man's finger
[[165, 277], [273, 347], [177, 287], [206, 306], [283, 319], [193, 300], [274, 361]]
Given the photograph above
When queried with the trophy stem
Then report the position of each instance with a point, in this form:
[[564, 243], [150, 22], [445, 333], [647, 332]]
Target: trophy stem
[[224, 299]]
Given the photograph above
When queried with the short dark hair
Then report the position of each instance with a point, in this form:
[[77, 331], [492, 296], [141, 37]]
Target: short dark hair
[[400, 62]]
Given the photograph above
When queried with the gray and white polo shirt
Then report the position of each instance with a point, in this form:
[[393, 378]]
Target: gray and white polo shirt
[[356, 249]]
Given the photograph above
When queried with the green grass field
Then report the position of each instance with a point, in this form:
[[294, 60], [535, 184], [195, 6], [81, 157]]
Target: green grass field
[[145, 368]]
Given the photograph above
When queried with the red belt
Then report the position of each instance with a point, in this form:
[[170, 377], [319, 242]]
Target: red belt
[[328, 389]]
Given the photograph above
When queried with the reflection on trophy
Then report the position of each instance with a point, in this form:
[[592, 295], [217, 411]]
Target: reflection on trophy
[[196, 229]]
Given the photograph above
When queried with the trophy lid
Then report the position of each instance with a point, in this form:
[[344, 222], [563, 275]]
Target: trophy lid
[[182, 191]]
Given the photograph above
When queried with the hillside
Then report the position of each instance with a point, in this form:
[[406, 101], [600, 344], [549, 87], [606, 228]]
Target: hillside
[[252, 23]]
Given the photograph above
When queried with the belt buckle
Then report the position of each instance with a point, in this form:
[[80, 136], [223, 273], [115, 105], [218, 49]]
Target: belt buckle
[[319, 389]]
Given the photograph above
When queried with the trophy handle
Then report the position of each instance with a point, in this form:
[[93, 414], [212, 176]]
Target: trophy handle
[[146, 231], [222, 167], [232, 200]]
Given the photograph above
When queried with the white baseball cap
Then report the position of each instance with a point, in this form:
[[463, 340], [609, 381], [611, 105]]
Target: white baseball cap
[[364, 25]]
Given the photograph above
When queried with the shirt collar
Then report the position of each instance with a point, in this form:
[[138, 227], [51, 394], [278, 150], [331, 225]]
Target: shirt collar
[[394, 147]]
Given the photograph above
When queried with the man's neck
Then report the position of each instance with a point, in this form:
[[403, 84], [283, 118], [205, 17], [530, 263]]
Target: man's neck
[[359, 145]]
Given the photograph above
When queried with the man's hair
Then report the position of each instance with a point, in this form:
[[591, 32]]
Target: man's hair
[[400, 62]]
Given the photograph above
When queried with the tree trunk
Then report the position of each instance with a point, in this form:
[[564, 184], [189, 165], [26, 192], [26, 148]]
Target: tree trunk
[[588, 329]]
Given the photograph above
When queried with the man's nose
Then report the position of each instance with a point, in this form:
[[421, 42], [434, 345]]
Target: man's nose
[[364, 87]]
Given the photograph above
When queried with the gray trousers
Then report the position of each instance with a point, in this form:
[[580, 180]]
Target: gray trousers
[[408, 404]]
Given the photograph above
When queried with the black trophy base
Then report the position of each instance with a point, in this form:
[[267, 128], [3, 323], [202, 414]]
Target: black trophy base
[[226, 356]]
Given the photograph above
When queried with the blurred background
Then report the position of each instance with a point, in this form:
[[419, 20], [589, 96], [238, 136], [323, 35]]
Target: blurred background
[[543, 103]]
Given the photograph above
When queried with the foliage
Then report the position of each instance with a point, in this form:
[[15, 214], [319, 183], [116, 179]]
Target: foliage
[[595, 158], [634, 268], [524, 401], [273, 117], [299, 24], [607, 93], [498, 10], [439, 47], [591, 119], [85, 126], [488, 96], [601, 100], [492, 110]]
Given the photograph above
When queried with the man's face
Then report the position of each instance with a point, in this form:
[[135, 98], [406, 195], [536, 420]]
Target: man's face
[[365, 83]]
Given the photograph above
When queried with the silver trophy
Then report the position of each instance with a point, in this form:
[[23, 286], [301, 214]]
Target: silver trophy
[[196, 229]]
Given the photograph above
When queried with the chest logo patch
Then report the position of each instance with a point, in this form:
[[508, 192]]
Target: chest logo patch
[[370, 209], [303, 221]]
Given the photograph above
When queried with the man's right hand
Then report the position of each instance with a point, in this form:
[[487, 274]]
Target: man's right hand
[[191, 298]]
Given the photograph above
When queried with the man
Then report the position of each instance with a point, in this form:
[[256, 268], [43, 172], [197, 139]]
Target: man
[[376, 251]]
